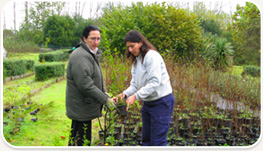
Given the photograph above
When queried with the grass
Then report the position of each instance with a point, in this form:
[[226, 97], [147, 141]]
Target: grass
[[31, 56], [237, 70], [53, 126]]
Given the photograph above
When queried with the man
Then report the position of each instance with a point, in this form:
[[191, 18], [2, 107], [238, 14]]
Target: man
[[85, 94]]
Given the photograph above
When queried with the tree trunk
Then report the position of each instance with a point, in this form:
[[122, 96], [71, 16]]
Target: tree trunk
[[26, 12], [14, 15]]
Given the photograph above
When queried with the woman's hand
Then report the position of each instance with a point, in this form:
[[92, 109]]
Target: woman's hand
[[130, 101], [121, 96]]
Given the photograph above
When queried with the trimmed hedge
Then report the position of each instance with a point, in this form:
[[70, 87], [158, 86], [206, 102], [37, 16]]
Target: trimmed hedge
[[54, 56], [13, 67], [30, 64], [254, 71], [48, 70]]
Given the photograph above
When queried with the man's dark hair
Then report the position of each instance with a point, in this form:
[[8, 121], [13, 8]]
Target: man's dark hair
[[86, 31]]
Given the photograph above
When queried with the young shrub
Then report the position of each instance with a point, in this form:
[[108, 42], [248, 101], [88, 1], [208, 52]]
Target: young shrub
[[254, 71], [48, 70]]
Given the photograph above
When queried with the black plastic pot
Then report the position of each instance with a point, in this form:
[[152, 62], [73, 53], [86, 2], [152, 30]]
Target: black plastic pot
[[34, 119], [101, 134], [122, 110], [7, 109], [220, 141]]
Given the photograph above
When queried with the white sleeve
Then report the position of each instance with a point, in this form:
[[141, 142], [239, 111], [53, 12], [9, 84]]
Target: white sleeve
[[132, 88]]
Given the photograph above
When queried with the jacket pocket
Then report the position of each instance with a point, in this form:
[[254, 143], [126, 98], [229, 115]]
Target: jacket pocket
[[88, 100]]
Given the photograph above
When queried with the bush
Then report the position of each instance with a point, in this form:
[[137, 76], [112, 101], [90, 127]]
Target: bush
[[4, 73], [54, 56], [254, 71], [48, 70], [219, 53], [165, 26], [13, 67]]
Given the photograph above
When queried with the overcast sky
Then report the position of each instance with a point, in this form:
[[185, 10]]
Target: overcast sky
[[8, 11]]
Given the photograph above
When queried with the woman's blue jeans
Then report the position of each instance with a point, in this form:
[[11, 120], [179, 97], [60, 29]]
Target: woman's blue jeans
[[156, 117]]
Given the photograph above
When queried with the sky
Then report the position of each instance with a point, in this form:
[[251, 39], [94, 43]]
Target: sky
[[8, 11]]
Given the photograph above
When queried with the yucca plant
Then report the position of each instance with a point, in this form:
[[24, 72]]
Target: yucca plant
[[219, 53]]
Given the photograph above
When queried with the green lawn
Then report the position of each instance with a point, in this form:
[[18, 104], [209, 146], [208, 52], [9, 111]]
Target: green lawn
[[237, 70], [31, 56], [52, 127]]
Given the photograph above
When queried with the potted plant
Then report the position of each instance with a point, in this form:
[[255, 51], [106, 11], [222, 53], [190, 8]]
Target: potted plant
[[121, 108]]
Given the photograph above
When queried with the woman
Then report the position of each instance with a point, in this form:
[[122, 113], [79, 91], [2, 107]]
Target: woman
[[85, 93], [150, 83]]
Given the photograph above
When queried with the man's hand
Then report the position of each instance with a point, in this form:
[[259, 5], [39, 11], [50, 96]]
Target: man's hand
[[111, 104]]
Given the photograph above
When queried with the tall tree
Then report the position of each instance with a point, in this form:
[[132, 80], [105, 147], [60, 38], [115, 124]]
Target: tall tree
[[60, 30], [26, 12], [31, 29], [246, 34], [14, 15]]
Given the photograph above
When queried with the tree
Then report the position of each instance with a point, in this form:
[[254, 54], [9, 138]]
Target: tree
[[81, 23], [31, 29], [60, 31], [246, 34], [14, 15]]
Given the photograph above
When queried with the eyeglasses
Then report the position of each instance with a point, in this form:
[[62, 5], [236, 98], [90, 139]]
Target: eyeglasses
[[94, 39]]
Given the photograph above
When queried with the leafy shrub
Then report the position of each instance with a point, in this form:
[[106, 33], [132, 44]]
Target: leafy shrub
[[117, 71], [13, 67], [166, 27], [4, 73], [54, 56], [252, 70], [48, 70]]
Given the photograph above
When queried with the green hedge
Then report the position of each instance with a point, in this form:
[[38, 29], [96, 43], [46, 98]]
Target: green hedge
[[30, 64], [13, 67], [54, 56], [252, 70], [48, 70]]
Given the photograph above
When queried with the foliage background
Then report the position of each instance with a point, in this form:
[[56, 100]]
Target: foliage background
[[169, 26]]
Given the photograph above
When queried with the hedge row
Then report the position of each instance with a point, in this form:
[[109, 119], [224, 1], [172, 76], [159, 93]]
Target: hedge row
[[54, 56], [252, 70], [48, 70], [13, 67]]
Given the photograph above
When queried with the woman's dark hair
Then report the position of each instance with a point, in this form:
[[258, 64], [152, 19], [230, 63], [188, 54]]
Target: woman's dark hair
[[86, 31], [136, 36]]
